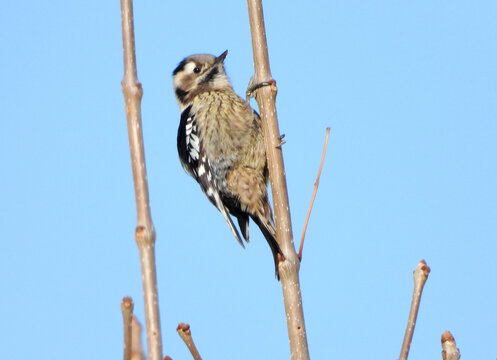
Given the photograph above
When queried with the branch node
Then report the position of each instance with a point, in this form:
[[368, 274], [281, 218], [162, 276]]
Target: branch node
[[144, 236]]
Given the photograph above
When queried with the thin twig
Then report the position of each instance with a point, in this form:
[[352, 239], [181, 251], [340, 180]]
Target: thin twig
[[145, 233], [127, 310], [186, 335], [449, 348], [420, 275], [136, 340], [290, 264], [316, 185]]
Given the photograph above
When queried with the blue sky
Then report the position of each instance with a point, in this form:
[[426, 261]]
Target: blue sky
[[409, 90]]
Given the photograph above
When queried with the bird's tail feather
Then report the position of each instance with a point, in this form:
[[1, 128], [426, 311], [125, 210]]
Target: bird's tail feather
[[270, 234], [219, 204], [243, 222]]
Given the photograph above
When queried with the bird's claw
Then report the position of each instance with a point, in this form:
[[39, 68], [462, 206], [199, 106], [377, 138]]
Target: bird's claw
[[252, 87], [282, 142]]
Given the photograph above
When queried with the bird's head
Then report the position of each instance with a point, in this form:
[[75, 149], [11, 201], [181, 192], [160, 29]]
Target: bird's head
[[197, 74]]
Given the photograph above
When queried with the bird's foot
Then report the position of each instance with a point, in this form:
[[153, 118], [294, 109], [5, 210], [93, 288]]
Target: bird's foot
[[252, 87], [282, 142]]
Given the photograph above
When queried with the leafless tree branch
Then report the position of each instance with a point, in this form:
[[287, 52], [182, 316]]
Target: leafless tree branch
[[186, 335], [136, 340], [420, 276], [289, 266], [145, 233], [316, 185], [127, 310]]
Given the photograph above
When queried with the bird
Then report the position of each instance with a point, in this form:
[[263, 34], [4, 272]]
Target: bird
[[221, 145]]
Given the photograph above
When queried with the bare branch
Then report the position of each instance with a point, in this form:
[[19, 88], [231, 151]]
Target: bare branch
[[127, 310], [186, 335], [290, 264], [136, 340], [145, 233], [316, 185], [420, 275], [449, 349]]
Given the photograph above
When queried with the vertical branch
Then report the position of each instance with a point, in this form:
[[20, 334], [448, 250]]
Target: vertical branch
[[145, 233], [136, 340], [289, 266], [127, 311], [420, 276]]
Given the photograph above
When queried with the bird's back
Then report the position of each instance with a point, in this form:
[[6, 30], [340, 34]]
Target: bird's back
[[232, 131]]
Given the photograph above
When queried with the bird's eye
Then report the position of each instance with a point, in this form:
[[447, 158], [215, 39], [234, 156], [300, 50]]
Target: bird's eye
[[196, 70]]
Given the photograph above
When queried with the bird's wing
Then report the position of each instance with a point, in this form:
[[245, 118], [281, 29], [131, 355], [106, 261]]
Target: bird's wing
[[195, 162], [208, 185], [188, 142]]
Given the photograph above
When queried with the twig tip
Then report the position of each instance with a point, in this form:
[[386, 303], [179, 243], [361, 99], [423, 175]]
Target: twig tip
[[449, 348], [447, 336], [183, 328], [316, 185], [423, 267], [127, 303]]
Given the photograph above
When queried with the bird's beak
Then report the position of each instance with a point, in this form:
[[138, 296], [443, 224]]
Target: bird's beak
[[221, 57]]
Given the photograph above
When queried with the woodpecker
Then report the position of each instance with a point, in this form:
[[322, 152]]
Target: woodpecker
[[221, 145]]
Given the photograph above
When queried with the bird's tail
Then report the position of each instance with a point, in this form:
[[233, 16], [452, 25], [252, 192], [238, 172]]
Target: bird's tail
[[269, 233]]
